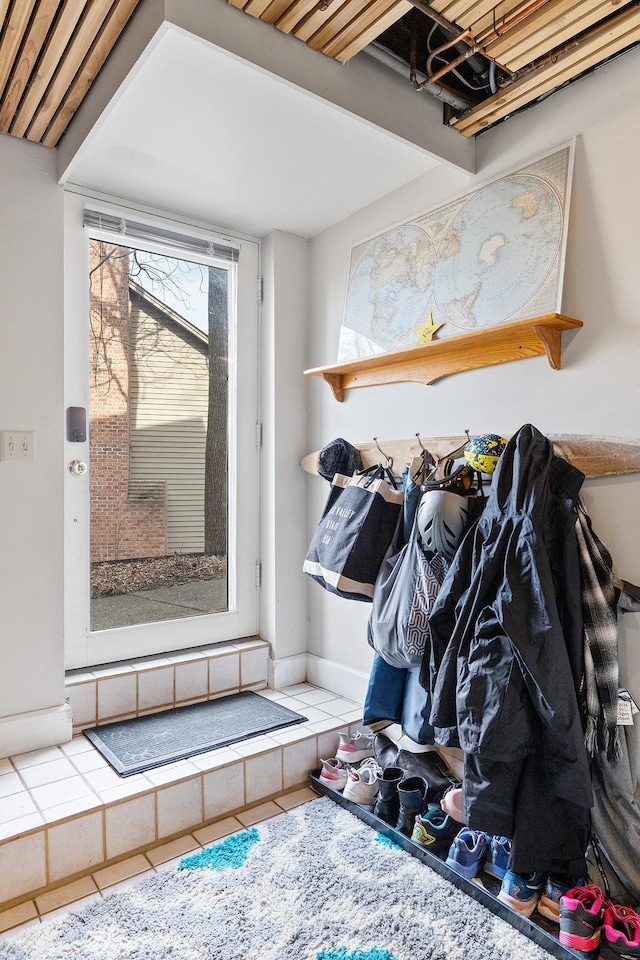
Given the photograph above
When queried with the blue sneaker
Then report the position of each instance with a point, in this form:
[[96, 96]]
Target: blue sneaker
[[522, 893], [498, 857], [468, 851], [556, 887], [435, 831]]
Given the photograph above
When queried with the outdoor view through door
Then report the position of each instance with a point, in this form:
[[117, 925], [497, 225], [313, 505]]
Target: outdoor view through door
[[159, 413]]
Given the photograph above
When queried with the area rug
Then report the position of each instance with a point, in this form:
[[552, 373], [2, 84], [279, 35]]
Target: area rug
[[313, 884], [133, 746]]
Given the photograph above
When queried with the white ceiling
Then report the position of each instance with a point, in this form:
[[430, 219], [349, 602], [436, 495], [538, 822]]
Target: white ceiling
[[196, 131]]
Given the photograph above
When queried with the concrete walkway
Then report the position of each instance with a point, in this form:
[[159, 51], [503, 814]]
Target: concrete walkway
[[192, 599]]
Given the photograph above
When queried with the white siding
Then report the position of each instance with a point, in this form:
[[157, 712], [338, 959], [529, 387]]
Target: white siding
[[169, 389]]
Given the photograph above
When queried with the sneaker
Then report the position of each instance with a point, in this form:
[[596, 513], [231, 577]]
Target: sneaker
[[362, 784], [356, 748], [581, 912], [620, 935], [555, 888], [522, 893], [434, 830], [498, 857], [467, 852], [334, 774]]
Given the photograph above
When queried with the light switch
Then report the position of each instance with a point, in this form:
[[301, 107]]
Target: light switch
[[17, 445]]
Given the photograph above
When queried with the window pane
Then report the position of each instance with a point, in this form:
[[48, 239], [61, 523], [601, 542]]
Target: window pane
[[159, 408]]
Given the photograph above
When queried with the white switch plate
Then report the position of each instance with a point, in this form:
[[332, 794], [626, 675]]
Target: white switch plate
[[17, 445]]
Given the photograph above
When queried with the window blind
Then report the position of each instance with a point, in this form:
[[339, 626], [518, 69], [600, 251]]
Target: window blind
[[131, 230]]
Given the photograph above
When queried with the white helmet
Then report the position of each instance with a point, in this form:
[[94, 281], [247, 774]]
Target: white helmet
[[442, 517]]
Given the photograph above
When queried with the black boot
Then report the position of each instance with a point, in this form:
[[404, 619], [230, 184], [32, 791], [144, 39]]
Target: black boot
[[388, 803], [411, 793]]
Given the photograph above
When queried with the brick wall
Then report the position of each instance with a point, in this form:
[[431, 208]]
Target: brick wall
[[120, 528]]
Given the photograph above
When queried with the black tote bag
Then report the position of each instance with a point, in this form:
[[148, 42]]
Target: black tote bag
[[354, 533]]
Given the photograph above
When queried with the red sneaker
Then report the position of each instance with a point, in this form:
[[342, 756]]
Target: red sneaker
[[620, 933]]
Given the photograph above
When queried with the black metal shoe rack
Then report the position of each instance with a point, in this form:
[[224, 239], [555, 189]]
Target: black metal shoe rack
[[543, 932]]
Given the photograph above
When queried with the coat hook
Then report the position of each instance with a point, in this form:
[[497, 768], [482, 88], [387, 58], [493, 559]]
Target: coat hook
[[389, 460], [422, 446]]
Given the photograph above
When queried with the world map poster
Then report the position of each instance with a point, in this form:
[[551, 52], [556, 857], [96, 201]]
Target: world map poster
[[492, 256]]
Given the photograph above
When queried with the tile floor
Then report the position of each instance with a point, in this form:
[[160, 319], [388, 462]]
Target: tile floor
[[75, 895], [66, 816]]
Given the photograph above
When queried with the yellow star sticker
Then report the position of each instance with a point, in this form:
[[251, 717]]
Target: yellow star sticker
[[425, 333]]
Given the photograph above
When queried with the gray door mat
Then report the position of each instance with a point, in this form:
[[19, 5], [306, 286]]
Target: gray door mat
[[133, 746]]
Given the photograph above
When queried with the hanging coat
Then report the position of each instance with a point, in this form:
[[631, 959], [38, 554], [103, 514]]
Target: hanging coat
[[501, 673]]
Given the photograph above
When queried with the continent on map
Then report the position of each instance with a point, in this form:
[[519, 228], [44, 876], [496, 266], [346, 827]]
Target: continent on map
[[460, 311], [528, 203], [489, 249]]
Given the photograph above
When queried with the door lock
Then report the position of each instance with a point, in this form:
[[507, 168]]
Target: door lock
[[77, 468]]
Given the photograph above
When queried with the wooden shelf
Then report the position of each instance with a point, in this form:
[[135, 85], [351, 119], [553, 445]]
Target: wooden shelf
[[465, 351]]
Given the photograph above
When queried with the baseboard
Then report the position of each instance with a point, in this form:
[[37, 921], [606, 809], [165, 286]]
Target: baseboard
[[342, 680], [287, 671], [35, 730]]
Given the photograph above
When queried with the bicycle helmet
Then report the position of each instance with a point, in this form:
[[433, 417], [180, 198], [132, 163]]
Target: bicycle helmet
[[482, 453], [442, 517]]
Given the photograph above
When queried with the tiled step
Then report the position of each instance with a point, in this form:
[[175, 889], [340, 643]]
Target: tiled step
[[65, 813]]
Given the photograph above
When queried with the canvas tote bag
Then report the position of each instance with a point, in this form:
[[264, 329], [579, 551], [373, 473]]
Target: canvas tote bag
[[354, 533]]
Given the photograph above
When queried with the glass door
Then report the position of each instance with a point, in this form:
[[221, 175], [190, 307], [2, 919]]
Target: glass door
[[163, 350]]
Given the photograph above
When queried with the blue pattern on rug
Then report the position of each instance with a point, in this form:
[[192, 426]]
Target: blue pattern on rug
[[342, 953], [387, 841], [230, 853]]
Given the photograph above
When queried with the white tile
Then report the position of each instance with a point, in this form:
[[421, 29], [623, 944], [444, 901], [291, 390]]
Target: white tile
[[37, 756], [323, 726], [51, 772], [10, 783], [128, 787], [6, 766], [315, 696], [297, 760], [264, 775], [16, 805], [254, 745], [327, 745], [130, 825], [79, 744], [215, 758], [75, 846], [313, 714], [223, 791], [293, 689], [91, 760], [339, 706], [116, 696], [293, 734], [192, 680], [102, 778], [71, 808], [155, 688], [54, 794], [251, 645], [355, 716], [22, 866], [115, 671], [253, 666], [179, 807], [83, 700], [12, 828], [272, 694], [170, 772], [292, 704], [224, 673]]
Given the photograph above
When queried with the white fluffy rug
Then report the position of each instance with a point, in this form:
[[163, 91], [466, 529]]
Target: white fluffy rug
[[312, 884]]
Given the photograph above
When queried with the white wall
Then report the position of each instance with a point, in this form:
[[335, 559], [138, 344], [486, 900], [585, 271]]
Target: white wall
[[598, 390], [31, 329]]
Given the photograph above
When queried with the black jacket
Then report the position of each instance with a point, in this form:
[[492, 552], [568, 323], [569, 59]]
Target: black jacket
[[505, 647]]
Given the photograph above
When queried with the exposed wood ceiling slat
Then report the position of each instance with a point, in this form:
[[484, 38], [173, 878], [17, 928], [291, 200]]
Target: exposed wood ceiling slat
[[34, 41], [53, 54], [605, 41], [13, 37], [353, 40], [547, 29], [344, 16], [315, 18], [256, 7], [75, 53], [111, 30], [294, 14], [275, 10]]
